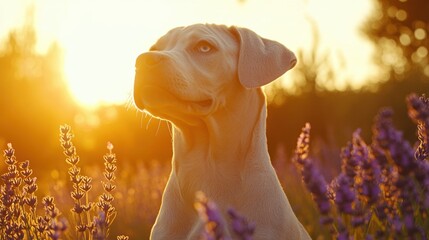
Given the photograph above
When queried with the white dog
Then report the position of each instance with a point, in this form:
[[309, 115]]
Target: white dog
[[205, 80]]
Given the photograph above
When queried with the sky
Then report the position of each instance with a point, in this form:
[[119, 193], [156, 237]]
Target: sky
[[102, 38]]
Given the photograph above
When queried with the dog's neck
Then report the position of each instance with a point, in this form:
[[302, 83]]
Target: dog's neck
[[229, 141]]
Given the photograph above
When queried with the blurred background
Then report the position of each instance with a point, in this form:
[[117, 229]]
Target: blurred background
[[72, 62]]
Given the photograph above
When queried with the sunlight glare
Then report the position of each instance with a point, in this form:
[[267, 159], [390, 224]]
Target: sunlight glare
[[101, 39], [98, 67]]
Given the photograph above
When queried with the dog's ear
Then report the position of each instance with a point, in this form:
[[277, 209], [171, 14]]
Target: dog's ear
[[260, 60]]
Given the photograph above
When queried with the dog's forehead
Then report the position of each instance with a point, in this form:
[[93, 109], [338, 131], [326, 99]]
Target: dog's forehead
[[189, 34]]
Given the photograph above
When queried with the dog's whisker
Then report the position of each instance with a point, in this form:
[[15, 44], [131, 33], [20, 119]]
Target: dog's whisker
[[138, 112], [142, 118], [148, 122], [169, 129], [159, 125], [129, 103]]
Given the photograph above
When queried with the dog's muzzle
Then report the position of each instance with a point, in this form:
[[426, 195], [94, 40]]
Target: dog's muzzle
[[149, 59], [146, 64]]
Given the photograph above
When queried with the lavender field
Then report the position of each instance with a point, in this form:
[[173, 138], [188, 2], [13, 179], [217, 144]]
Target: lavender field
[[381, 190], [347, 127]]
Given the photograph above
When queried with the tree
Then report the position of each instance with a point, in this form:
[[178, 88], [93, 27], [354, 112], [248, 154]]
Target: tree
[[400, 30], [34, 99]]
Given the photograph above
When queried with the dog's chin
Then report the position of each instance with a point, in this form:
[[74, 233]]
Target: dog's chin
[[166, 105]]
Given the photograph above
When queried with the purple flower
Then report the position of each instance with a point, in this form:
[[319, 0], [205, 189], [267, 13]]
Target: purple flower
[[211, 216], [422, 150], [342, 232], [313, 179], [316, 184], [241, 226], [343, 236], [403, 155], [383, 128], [369, 169], [418, 107], [358, 220], [409, 223], [303, 145], [344, 194], [370, 186], [396, 224], [387, 181], [387, 138], [422, 176], [349, 162]]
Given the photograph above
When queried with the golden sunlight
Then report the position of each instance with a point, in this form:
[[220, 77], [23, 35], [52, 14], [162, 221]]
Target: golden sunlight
[[101, 39]]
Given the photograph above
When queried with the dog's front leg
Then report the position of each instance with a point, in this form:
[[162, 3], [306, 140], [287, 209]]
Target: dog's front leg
[[174, 220]]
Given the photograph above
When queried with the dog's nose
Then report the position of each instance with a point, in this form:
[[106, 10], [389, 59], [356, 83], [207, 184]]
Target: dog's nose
[[293, 60], [149, 59], [293, 63]]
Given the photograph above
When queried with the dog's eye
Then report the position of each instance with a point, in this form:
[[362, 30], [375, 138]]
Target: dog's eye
[[204, 47]]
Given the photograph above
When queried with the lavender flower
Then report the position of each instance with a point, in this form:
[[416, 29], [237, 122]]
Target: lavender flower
[[343, 234], [18, 202], [344, 194], [371, 178], [313, 179], [369, 170], [212, 218], [389, 142], [98, 227], [55, 225], [12, 226], [404, 191], [349, 162], [418, 110], [355, 180], [242, 228], [81, 184], [386, 183], [386, 209], [422, 176], [303, 145], [19, 218], [107, 212]]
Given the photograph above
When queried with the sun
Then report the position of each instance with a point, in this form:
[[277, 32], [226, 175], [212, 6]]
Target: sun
[[98, 66], [80, 82], [93, 80], [100, 51]]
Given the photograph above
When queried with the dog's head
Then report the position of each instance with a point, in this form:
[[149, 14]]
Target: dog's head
[[190, 72]]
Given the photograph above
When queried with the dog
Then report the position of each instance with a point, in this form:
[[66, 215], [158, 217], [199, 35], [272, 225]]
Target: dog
[[206, 80]]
